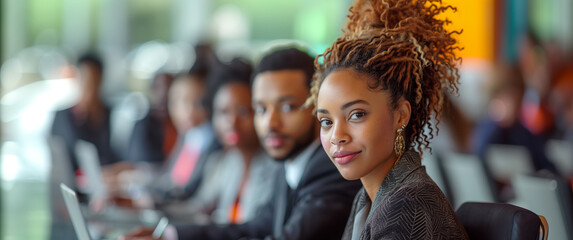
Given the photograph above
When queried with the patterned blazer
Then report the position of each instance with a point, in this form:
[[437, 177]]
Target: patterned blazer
[[408, 205]]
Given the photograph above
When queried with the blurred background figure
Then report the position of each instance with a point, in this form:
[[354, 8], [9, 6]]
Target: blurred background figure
[[88, 119], [503, 128], [154, 136], [562, 103], [245, 172], [188, 105], [535, 68], [503, 124]]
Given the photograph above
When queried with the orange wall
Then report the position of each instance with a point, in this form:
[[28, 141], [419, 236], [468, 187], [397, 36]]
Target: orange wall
[[476, 18]]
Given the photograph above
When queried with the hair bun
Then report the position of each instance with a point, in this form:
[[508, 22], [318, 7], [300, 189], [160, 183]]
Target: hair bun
[[404, 47]]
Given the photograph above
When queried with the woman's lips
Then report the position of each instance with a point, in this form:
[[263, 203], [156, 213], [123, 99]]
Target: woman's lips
[[274, 142], [232, 138], [345, 157]]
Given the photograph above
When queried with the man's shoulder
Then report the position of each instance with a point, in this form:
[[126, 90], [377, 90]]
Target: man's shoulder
[[319, 164], [322, 176]]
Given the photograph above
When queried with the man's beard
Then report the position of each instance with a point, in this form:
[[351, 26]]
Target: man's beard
[[300, 144]]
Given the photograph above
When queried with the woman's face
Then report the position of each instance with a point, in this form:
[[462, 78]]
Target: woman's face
[[185, 108], [357, 125], [233, 116]]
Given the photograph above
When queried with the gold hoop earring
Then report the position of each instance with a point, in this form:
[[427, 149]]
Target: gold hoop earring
[[399, 142]]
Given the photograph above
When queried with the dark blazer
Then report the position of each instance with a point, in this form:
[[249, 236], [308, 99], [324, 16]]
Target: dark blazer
[[147, 141], [71, 131], [317, 209], [408, 205]]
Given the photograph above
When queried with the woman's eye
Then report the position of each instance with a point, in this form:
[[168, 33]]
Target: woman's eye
[[287, 107], [357, 115], [259, 110], [325, 123]]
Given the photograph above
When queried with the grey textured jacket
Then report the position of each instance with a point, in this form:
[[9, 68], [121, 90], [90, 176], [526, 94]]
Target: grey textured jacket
[[408, 205]]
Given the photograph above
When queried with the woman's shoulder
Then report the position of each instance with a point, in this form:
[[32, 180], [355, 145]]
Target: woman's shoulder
[[421, 192], [419, 208]]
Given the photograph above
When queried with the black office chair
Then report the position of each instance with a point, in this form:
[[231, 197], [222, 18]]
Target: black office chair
[[501, 221]]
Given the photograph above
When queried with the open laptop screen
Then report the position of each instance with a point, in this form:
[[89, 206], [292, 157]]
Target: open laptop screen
[[73, 206]]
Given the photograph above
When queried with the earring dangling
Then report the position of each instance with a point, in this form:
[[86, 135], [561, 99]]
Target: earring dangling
[[399, 142]]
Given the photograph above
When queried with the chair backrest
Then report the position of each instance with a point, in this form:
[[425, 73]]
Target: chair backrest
[[548, 197], [467, 178], [506, 161], [499, 221]]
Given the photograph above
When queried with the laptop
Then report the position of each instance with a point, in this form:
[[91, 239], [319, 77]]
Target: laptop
[[81, 227], [75, 212]]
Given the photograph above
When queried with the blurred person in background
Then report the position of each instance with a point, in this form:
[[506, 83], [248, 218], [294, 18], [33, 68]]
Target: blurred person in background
[[241, 173], [503, 124], [154, 136], [89, 118], [189, 109], [562, 103], [187, 98], [152, 140], [535, 69]]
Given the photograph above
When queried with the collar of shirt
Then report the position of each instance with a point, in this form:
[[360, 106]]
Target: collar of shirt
[[200, 136], [295, 167]]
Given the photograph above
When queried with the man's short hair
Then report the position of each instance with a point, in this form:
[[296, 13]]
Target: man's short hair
[[91, 58], [287, 59]]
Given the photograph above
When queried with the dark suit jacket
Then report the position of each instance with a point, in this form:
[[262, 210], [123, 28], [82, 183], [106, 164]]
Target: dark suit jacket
[[71, 131], [408, 205], [317, 209], [147, 141]]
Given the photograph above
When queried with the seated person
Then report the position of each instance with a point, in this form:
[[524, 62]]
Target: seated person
[[240, 175], [89, 118], [503, 124], [184, 171], [154, 136], [181, 176], [379, 84]]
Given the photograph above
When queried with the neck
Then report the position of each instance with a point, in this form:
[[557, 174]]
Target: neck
[[373, 180]]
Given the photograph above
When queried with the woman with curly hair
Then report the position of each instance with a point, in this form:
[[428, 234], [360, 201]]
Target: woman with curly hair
[[377, 88]]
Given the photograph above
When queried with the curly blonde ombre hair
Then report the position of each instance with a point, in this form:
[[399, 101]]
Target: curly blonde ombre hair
[[405, 49]]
